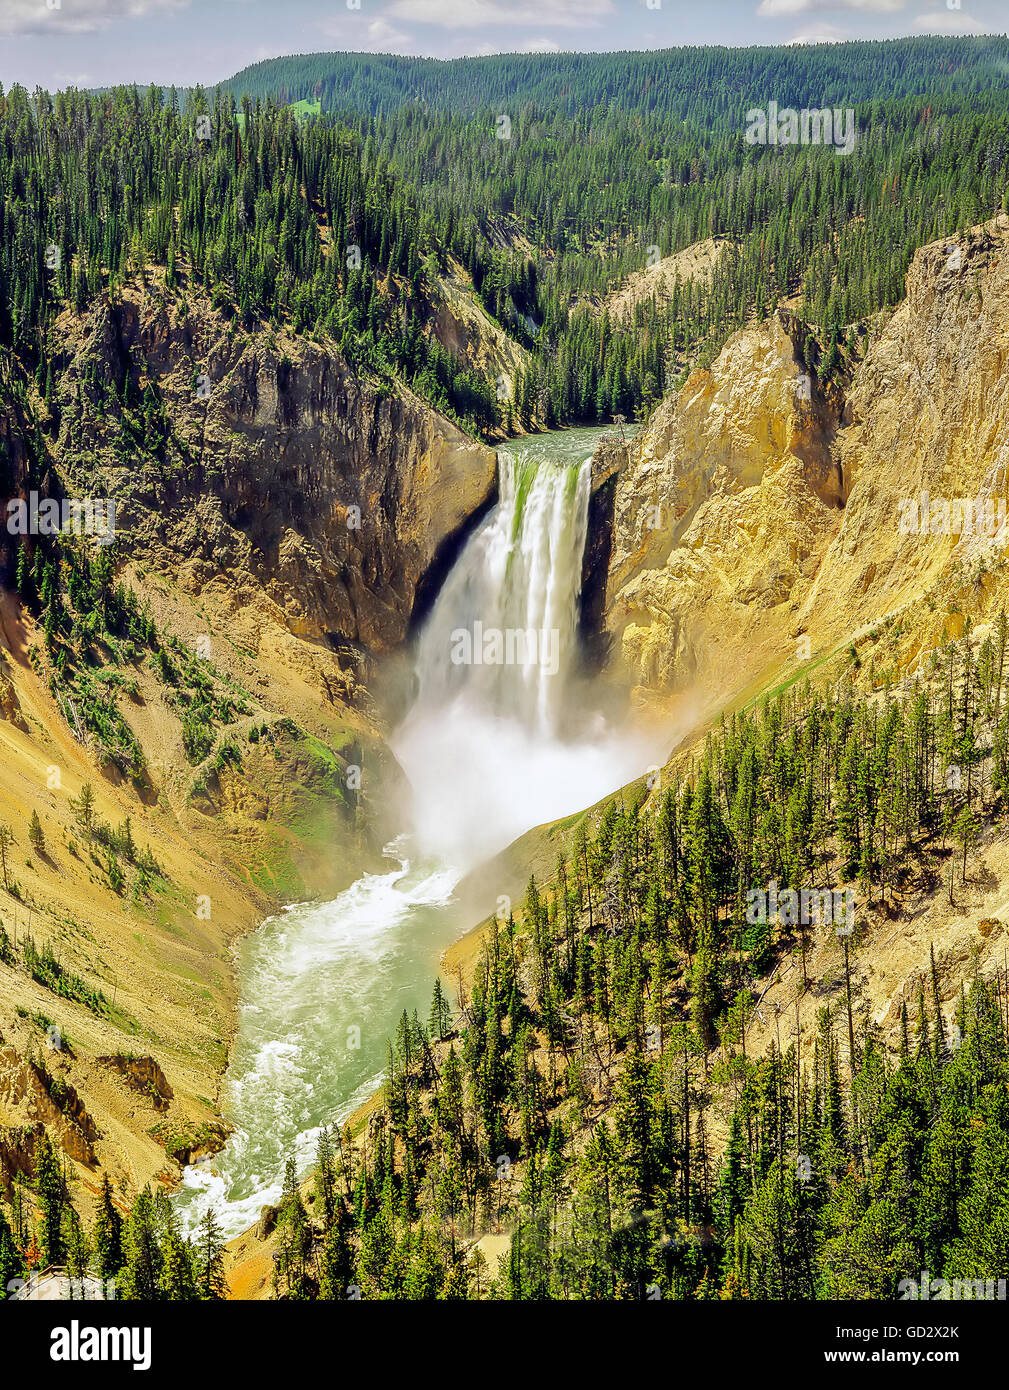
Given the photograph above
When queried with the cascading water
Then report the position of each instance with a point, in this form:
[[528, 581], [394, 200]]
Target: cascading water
[[489, 752], [520, 577], [487, 746]]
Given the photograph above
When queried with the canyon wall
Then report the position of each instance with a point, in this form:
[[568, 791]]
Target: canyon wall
[[277, 514], [757, 522], [307, 485]]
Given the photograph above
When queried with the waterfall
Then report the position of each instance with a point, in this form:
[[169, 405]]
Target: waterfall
[[496, 742], [514, 594]]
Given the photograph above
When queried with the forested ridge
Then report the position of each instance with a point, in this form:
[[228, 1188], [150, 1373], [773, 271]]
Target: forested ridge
[[707, 82], [337, 215], [613, 158], [285, 224]]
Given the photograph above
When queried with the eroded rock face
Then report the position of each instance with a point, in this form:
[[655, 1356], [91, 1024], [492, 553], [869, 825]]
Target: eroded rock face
[[463, 327], [302, 484], [10, 707], [752, 523], [142, 1074], [928, 412], [18, 1145], [728, 499], [30, 1093]]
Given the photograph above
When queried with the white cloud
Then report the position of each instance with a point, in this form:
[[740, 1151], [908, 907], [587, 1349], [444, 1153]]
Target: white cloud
[[947, 22], [378, 37], [541, 45], [387, 38], [477, 14], [74, 16], [777, 9]]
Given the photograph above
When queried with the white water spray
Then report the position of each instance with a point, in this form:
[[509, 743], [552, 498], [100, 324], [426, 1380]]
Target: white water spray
[[519, 576], [492, 746]]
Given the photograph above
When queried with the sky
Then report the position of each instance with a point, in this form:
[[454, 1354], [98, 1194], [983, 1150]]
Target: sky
[[91, 43]]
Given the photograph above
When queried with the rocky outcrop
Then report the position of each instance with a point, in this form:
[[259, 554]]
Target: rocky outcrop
[[657, 281], [286, 475], [142, 1074], [10, 706], [727, 501], [927, 414], [463, 327], [267, 1222], [609, 460], [30, 1092], [760, 521], [17, 1154]]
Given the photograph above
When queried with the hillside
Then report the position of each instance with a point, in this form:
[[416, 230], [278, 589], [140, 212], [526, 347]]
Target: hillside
[[562, 176], [220, 706], [665, 80]]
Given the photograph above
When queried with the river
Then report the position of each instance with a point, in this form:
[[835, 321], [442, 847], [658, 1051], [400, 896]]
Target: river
[[491, 747]]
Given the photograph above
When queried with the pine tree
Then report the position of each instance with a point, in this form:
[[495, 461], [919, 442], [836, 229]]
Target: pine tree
[[176, 1281], [208, 1254], [12, 1265], [51, 1191], [107, 1238], [84, 809], [6, 840], [140, 1275], [440, 1021], [337, 1258], [325, 1181], [36, 834]]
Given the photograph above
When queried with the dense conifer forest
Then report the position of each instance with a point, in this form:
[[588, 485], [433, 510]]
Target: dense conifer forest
[[335, 215], [582, 1092], [611, 158]]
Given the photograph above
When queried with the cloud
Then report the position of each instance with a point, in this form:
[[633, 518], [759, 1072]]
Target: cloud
[[543, 45], [387, 38], [778, 9], [379, 37], [947, 22], [478, 14], [74, 16], [538, 45]]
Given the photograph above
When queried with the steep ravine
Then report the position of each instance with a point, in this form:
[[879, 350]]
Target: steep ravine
[[751, 514], [489, 748]]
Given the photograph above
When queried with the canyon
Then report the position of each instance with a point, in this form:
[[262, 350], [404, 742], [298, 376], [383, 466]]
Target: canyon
[[746, 536]]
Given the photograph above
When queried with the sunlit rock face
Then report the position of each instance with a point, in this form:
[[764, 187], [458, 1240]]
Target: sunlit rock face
[[927, 413], [729, 496], [759, 520]]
